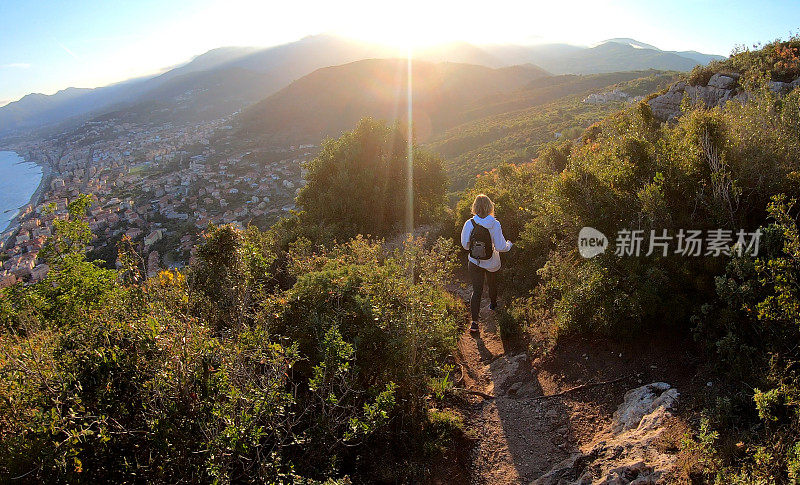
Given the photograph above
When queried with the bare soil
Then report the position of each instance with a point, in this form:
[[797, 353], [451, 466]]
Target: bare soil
[[525, 422]]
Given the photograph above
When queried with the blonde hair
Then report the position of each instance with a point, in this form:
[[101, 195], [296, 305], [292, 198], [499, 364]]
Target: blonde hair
[[482, 206]]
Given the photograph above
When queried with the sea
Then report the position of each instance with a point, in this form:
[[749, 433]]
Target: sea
[[18, 182]]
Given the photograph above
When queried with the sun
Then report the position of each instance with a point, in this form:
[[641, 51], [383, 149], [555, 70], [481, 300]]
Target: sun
[[404, 36], [409, 26]]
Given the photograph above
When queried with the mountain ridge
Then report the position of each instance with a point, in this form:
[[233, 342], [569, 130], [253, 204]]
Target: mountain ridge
[[331, 99], [288, 62]]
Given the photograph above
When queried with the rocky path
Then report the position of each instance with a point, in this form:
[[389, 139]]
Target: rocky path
[[530, 433]]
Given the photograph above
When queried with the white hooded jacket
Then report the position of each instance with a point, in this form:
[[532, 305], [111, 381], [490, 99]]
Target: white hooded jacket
[[499, 241]]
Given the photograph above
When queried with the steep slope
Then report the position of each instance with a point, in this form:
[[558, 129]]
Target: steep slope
[[36, 104], [565, 417], [39, 109], [241, 76], [212, 59], [547, 108], [333, 99], [196, 96]]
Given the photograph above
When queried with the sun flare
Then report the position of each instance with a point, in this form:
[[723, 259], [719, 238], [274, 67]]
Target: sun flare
[[398, 29]]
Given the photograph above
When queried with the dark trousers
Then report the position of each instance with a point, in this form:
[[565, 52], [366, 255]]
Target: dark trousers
[[477, 275]]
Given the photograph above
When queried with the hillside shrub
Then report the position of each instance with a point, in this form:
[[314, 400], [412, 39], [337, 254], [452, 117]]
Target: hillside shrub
[[358, 184], [720, 168], [250, 366]]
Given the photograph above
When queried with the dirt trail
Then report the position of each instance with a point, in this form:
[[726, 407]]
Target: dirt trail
[[519, 437], [526, 431]]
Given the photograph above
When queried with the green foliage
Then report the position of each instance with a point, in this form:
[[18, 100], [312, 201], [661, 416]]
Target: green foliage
[[72, 233], [776, 61], [510, 330], [407, 326], [109, 382], [75, 288], [252, 365], [442, 385], [358, 183], [234, 271], [713, 168], [374, 327], [753, 329], [700, 75], [442, 429], [703, 444]]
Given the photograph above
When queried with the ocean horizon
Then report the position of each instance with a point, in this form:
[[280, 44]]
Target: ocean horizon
[[19, 180]]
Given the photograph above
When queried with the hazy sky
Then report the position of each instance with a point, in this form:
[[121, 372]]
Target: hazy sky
[[49, 45]]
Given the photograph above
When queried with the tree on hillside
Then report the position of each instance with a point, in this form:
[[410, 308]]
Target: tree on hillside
[[356, 185]]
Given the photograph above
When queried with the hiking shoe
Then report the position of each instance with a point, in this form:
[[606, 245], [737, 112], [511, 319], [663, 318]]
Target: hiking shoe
[[474, 328]]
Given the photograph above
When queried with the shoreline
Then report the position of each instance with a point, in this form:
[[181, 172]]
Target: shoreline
[[34, 200]]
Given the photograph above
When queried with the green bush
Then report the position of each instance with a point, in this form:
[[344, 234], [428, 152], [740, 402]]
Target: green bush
[[250, 366], [753, 328], [357, 184], [700, 75], [714, 168]]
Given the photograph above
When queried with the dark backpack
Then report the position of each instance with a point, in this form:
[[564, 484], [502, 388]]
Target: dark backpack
[[480, 242]]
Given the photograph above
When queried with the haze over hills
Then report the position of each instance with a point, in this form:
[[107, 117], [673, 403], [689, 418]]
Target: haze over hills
[[36, 110], [227, 79], [239, 76], [515, 128], [612, 55], [473, 116], [333, 99]]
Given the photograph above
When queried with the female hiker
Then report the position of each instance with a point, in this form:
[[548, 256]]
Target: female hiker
[[483, 237]]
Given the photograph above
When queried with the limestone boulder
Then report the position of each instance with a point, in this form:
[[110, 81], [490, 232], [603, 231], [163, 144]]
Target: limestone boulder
[[627, 454]]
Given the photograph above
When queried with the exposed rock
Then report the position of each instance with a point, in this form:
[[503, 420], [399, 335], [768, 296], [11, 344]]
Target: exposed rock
[[507, 370], [779, 87], [626, 455], [643, 405], [721, 88], [708, 95], [722, 81], [667, 106]]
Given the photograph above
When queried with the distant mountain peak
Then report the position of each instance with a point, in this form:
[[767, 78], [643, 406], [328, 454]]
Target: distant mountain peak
[[628, 41]]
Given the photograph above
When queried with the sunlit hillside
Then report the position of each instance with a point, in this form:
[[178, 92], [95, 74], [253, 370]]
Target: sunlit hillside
[[330, 100]]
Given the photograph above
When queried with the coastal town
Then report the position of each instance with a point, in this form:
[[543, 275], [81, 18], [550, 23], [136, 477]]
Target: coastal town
[[160, 186]]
